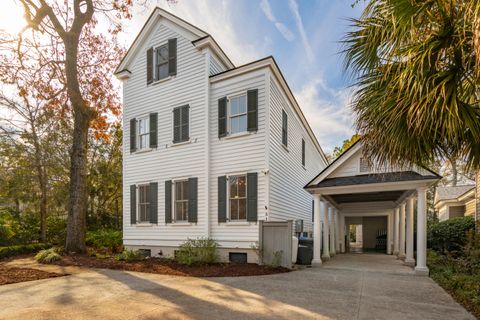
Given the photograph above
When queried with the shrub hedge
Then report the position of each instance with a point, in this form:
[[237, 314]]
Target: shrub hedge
[[109, 239], [450, 235], [21, 249], [203, 250]]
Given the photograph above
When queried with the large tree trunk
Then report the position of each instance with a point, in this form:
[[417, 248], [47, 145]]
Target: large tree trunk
[[77, 209], [42, 182]]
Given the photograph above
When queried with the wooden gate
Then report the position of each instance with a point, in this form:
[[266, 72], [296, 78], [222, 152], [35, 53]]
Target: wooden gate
[[276, 243]]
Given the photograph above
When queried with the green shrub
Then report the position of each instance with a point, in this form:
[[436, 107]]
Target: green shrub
[[130, 255], [109, 239], [48, 256], [56, 230], [6, 234], [203, 250], [21, 249], [450, 235]]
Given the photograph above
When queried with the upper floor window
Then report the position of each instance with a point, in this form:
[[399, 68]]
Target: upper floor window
[[238, 197], [303, 152], [181, 200], [238, 114], [144, 203], [143, 133], [284, 128], [161, 62], [365, 165]]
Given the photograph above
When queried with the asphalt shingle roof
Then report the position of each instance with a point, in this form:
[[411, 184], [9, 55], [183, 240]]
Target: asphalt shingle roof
[[449, 193]]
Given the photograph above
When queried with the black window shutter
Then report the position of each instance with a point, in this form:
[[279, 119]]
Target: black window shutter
[[222, 199], [185, 122], [149, 65], [303, 152], [153, 199], [133, 135], [192, 199], [252, 191], [176, 125], [133, 204], [284, 128], [222, 117], [153, 129], [252, 108], [172, 56], [168, 201]]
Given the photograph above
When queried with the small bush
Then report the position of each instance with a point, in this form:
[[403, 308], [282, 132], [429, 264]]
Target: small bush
[[108, 239], [22, 249], [56, 230], [130, 255], [202, 250], [450, 235], [48, 256]]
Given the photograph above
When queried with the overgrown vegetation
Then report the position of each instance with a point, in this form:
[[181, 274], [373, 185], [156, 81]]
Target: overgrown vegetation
[[197, 251], [454, 260], [48, 255], [10, 251], [130, 255]]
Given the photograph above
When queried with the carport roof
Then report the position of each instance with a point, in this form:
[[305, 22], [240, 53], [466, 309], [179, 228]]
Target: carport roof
[[372, 178]]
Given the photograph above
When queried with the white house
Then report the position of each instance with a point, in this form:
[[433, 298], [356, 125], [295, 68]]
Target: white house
[[210, 148], [455, 201]]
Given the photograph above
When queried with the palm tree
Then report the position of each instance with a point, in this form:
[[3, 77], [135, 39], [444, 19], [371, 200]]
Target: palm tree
[[417, 65]]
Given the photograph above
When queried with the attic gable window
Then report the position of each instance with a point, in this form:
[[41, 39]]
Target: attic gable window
[[161, 62], [365, 165]]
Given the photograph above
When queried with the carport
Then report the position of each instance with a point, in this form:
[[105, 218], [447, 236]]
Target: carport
[[354, 187]]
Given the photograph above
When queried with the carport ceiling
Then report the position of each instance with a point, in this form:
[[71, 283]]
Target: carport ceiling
[[368, 196]]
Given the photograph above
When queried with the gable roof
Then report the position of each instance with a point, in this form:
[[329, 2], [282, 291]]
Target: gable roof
[[451, 192], [322, 180], [269, 62], [150, 23]]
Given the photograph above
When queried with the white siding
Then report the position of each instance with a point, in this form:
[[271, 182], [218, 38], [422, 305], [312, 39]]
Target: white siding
[[167, 161], [215, 65], [242, 154], [288, 199]]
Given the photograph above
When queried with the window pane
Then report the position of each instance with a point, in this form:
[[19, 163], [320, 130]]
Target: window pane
[[234, 106], [242, 209], [163, 71], [233, 187], [242, 104], [233, 209], [162, 54], [242, 186], [242, 123]]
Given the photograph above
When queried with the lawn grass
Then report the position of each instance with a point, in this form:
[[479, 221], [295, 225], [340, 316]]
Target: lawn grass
[[459, 278]]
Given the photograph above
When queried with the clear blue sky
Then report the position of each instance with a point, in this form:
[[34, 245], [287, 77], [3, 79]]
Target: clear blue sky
[[302, 35]]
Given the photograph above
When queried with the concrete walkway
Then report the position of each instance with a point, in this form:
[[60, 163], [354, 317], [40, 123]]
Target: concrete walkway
[[351, 286]]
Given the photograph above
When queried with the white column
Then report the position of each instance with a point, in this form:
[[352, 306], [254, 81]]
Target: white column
[[331, 219], [389, 233], [343, 245], [337, 231], [326, 233], [396, 230], [401, 253], [317, 230], [421, 267], [409, 261]]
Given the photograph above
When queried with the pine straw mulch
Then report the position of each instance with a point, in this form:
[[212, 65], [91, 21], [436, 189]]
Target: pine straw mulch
[[171, 267], [10, 275]]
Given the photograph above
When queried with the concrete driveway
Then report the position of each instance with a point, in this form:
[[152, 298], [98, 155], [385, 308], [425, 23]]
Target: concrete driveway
[[351, 286]]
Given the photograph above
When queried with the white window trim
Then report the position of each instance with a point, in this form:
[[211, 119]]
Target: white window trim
[[229, 125], [237, 221], [147, 118], [174, 214], [141, 223]]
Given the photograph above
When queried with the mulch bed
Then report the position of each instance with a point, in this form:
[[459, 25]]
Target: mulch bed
[[13, 275], [171, 267]]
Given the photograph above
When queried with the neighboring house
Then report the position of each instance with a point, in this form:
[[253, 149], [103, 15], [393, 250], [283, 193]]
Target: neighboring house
[[457, 201], [210, 148]]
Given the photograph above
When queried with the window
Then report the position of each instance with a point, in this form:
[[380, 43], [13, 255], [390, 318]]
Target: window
[[161, 62], [143, 133], [238, 197], [284, 128], [180, 124], [365, 165], [181, 200], [238, 114], [144, 203], [303, 152]]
